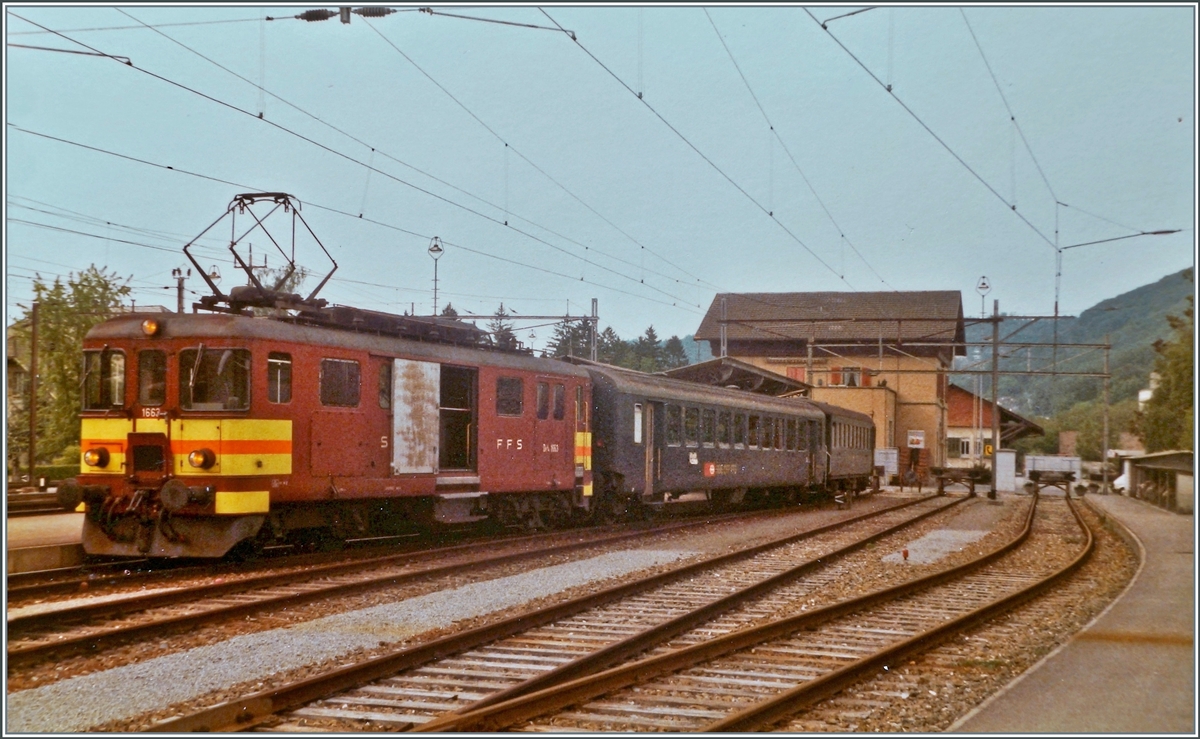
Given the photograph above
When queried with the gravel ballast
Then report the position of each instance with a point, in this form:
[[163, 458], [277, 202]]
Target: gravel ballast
[[79, 703]]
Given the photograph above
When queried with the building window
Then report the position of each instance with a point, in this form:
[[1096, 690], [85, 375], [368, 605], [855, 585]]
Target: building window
[[279, 377], [851, 377], [510, 396], [340, 383]]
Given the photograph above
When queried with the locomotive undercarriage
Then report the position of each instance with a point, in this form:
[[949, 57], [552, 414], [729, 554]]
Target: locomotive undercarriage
[[139, 526]]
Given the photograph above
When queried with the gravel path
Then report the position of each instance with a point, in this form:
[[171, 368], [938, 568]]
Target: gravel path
[[79, 703]]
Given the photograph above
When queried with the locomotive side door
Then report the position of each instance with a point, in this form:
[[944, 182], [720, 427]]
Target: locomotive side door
[[416, 396]]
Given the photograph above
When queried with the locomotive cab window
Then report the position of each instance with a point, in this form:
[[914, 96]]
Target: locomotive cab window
[[674, 425], [214, 379], [510, 396], [279, 377], [385, 385], [340, 382], [103, 379], [152, 377]]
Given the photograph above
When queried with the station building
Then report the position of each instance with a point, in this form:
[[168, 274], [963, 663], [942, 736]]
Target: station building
[[969, 428], [885, 354]]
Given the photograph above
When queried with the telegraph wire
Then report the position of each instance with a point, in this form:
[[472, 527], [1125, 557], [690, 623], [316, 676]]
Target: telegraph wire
[[543, 172], [349, 158], [426, 237], [134, 28], [788, 151], [931, 132], [375, 150], [702, 155]]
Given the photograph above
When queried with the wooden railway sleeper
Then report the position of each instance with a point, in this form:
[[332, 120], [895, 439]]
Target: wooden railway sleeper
[[252, 710]]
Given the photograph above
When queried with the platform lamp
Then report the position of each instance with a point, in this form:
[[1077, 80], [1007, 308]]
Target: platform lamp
[[435, 251]]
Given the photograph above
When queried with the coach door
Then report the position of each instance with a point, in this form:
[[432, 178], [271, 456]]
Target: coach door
[[651, 448], [416, 396]]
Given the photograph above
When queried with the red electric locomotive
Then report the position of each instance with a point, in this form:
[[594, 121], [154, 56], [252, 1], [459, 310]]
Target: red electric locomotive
[[208, 431]]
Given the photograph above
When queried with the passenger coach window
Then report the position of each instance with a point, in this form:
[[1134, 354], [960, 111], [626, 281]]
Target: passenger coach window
[[279, 377], [152, 377], [385, 385], [637, 423], [674, 425], [723, 428], [560, 401], [791, 435], [708, 422], [739, 429], [214, 379], [768, 433], [103, 379], [755, 423], [779, 436], [340, 382], [691, 426], [543, 400], [510, 396]]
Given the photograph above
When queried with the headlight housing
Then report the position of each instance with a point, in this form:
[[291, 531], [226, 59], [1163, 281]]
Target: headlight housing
[[96, 457], [202, 458]]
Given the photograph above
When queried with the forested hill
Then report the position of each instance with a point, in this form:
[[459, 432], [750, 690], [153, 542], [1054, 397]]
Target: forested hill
[[1132, 321]]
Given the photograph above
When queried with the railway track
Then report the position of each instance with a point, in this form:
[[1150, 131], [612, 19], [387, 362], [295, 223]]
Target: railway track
[[100, 623], [576, 637], [753, 678], [33, 504]]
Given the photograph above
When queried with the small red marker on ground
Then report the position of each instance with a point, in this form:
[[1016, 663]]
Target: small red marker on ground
[[905, 553]]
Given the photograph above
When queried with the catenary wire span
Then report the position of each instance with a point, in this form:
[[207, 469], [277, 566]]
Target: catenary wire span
[[425, 237], [376, 150], [347, 157], [703, 156], [775, 133], [527, 160], [931, 132]]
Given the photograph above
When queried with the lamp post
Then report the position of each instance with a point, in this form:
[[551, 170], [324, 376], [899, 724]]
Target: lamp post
[[435, 251]]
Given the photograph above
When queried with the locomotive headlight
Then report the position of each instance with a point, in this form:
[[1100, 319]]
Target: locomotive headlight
[[202, 458], [151, 327], [97, 457]]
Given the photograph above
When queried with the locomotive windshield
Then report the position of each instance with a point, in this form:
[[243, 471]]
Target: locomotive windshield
[[214, 379], [103, 379]]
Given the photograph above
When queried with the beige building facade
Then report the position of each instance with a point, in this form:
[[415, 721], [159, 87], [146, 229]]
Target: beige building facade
[[883, 354]]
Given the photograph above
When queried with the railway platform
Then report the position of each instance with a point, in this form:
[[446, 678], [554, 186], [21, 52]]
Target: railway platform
[[43, 542], [1132, 669]]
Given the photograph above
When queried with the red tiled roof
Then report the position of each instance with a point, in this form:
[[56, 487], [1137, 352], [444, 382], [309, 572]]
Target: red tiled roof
[[837, 316]]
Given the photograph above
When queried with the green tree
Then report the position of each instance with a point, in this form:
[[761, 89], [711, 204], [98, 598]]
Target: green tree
[[1169, 416], [66, 312], [449, 311], [647, 352], [674, 355], [502, 330], [610, 349], [570, 339]]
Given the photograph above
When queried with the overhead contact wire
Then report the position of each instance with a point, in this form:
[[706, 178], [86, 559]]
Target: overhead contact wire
[[701, 154], [349, 158], [788, 151], [930, 131]]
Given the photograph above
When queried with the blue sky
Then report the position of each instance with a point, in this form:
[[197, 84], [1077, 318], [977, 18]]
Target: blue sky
[[432, 125]]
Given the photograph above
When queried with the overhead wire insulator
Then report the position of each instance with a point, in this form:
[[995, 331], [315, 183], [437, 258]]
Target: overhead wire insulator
[[321, 14], [373, 12]]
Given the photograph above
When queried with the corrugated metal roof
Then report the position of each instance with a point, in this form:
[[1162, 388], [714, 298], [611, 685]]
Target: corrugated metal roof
[[930, 315]]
